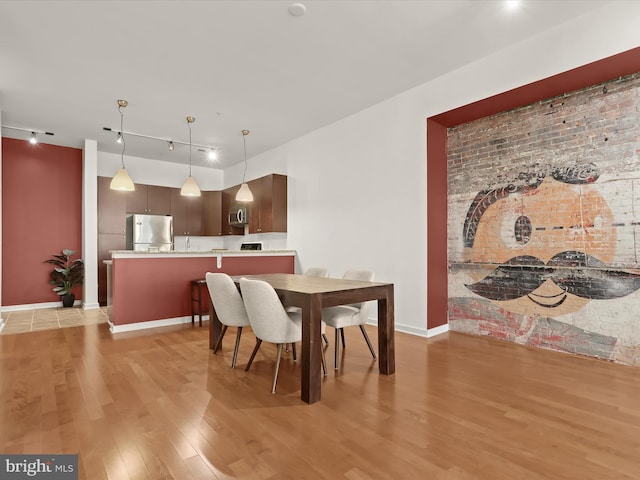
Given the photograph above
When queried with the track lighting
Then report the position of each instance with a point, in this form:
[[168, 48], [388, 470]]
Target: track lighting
[[190, 187], [170, 143], [244, 194], [122, 180], [33, 134], [212, 155], [119, 139]]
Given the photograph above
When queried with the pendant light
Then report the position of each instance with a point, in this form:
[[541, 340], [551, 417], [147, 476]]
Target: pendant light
[[122, 181], [244, 194], [190, 187]]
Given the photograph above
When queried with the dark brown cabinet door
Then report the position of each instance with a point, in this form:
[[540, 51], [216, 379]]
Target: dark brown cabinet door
[[268, 211], [212, 214], [111, 208], [149, 199], [158, 200], [137, 200], [187, 214]]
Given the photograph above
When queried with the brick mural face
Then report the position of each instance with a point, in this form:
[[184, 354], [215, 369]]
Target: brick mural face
[[553, 229]]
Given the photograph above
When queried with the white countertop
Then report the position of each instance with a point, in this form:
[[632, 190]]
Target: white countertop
[[206, 253]]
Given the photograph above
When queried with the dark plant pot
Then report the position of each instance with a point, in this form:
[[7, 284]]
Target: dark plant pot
[[68, 299]]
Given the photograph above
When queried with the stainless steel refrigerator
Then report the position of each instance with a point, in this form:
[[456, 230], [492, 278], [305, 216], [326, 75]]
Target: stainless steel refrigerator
[[149, 233]]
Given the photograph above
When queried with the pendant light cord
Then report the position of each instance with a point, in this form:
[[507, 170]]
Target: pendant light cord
[[189, 124], [244, 143], [121, 135]]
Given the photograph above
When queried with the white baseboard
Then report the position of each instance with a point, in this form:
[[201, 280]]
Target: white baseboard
[[439, 330], [165, 322], [90, 306], [419, 332], [33, 306]]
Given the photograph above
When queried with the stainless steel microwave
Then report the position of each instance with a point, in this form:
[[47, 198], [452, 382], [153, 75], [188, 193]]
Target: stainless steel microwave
[[238, 216]]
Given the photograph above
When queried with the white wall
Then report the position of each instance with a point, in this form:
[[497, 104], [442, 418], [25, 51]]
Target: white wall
[[357, 187]]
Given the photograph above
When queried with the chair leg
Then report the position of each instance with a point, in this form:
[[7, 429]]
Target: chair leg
[[293, 350], [235, 351], [275, 376], [219, 342], [253, 354], [324, 363], [342, 336], [336, 349], [326, 340], [366, 337]]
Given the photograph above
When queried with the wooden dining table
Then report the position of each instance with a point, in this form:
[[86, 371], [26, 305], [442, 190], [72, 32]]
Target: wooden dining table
[[311, 295]]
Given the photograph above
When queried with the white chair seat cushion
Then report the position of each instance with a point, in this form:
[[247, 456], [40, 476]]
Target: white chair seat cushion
[[342, 316]]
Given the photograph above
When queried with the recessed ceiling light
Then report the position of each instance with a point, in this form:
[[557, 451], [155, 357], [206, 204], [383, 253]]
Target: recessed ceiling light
[[297, 9], [513, 4]]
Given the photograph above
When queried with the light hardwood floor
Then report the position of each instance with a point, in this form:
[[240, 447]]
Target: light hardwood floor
[[159, 405]]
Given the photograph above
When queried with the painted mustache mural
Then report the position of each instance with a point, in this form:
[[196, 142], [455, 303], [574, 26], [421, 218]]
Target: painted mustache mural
[[552, 236], [521, 276]]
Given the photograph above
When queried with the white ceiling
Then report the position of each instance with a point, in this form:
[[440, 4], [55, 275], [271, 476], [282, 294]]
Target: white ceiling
[[235, 64]]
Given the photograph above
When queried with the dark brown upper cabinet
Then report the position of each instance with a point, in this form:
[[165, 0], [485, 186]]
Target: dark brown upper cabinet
[[149, 199], [268, 211], [187, 214]]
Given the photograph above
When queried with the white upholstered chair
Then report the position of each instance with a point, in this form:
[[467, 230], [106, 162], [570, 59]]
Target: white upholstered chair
[[229, 307], [270, 321], [349, 315]]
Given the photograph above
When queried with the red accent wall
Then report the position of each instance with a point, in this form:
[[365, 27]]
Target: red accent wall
[[608, 68], [146, 289], [41, 215]]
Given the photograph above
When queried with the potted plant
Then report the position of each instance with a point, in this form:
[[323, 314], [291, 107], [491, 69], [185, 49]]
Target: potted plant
[[66, 275]]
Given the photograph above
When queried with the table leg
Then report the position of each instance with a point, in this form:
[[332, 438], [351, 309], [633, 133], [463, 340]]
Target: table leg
[[386, 340], [311, 381]]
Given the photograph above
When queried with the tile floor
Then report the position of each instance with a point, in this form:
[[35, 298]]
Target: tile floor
[[50, 318]]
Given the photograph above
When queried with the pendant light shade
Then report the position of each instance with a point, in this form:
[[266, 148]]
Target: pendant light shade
[[122, 181], [190, 187], [244, 194]]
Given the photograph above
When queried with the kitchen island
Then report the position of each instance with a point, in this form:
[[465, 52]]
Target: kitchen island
[[153, 289]]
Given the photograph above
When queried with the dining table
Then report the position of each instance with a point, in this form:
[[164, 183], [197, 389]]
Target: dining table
[[311, 295]]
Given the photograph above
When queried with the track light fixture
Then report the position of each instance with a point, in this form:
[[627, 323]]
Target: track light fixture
[[122, 180], [33, 134], [190, 187], [244, 194], [170, 143]]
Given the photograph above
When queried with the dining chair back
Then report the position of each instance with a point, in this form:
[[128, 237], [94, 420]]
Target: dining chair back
[[229, 308], [269, 320], [316, 272]]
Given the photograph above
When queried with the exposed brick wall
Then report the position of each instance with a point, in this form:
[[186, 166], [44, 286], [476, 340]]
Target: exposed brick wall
[[544, 223]]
